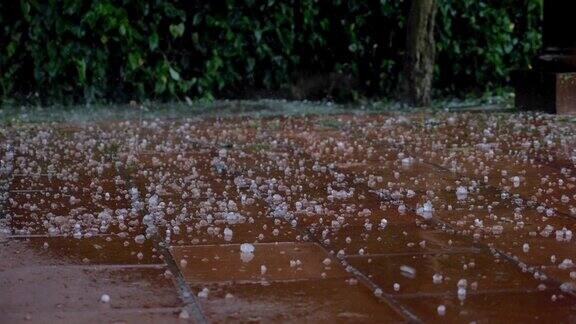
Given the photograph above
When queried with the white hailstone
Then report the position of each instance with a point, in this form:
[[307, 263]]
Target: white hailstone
[[327, 261], [479, 223], [461, 293], [378, 292], [461, 193], [203, 293], [383, 223], [247, 248], [407, 161], [275, 232], [228, 233], [497, 229], [568, 287], [408, 271], [140, 256], [526, 248], [228, 296], [140, 239], [183, 263], [441, 310], [263, 269], [348, 240], [105, 298], [184, 314], [437, 278], [566, 264], [426, 210], [402, 209], [396, 286]]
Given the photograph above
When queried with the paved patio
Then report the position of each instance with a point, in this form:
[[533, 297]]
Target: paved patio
[[420, 217]]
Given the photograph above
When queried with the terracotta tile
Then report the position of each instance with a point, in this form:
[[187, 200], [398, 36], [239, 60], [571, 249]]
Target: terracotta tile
[[414, 273], [516, 307], [110, 249], [224, 263], [315, 301], [53, 289], [393, 239]]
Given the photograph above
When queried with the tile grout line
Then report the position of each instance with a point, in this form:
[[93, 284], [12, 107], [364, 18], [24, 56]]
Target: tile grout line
[[191, 304], [389, 299], [492, 250]]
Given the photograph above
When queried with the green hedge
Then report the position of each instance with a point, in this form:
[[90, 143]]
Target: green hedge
[[80, 50]]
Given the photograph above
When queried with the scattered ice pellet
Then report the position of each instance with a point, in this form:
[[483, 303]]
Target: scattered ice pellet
[[105, 298], [327, 261], [526, 248], [184, 314], [203, 293], [437, 278], [378, 292], [426, 210], [140, 239], [461, 193], [461, 294], [408, 271], [263, 269], [383, 223], [441, 310], [396, 286], [228, 233], [247, 248]]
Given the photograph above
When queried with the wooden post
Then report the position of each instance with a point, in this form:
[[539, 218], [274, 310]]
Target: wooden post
[[416, 82], [551, 84]]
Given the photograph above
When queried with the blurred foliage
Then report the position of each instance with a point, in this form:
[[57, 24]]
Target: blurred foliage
[[118, 50]]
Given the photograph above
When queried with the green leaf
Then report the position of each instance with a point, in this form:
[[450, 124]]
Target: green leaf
[[81, 67], [174, 74], [134, 60], [153, 41], [177, 30]]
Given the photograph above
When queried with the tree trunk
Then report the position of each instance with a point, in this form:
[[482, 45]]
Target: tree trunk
[[416, 82]]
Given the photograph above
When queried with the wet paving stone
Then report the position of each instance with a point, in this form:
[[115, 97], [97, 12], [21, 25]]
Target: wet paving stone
[[318, 301], [46, 283], [430, 274], [268, 263], [352, 218], [502, 307]]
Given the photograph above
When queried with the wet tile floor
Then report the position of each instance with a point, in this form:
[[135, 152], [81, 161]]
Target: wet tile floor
[[367, 218]]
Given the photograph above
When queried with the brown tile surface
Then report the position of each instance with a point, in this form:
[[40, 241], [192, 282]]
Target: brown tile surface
[[225, 263], [311, 301]]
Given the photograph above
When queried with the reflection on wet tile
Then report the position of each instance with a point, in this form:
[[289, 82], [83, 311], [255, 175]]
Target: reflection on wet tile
[[268, 262], [442, 273], [313, 301], [513, 307], [109, 249], [44, 289]]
